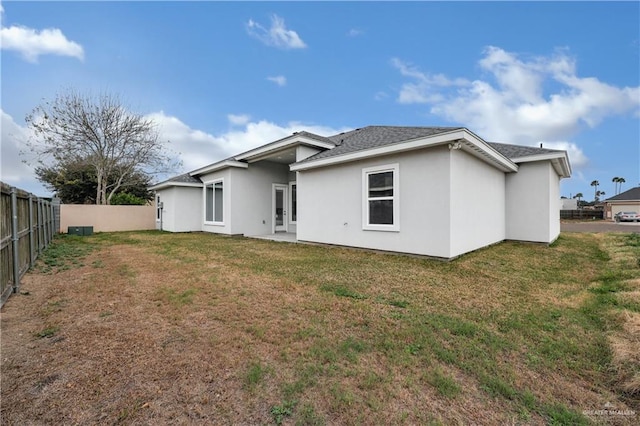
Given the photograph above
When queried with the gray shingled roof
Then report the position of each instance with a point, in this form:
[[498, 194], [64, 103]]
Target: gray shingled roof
[[314, 136], [185, 178], [376, 136], [516, 151], [631, 194]]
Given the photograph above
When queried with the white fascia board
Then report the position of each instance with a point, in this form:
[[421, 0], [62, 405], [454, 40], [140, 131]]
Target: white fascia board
[[561, 163], [283, 144], [478, 147], [171, 184], [489, 154], [218, 166], [621, 201]]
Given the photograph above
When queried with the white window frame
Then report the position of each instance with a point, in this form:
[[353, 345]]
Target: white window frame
[[291, 185], [158, 209], [395, 227], [213, 200]]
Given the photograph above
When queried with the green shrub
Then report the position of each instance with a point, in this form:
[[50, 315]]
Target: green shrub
[[124, 198]]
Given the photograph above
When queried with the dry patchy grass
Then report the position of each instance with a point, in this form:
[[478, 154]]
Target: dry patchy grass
[[156, 328]]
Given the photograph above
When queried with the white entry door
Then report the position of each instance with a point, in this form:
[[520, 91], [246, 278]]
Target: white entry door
[[279, 208]]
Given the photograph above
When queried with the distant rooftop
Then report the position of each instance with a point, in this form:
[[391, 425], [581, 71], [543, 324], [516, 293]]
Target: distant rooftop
[[632, 194]]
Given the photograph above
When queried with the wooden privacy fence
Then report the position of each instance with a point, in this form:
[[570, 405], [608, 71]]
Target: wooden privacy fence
[[582, 214], [27, 226]]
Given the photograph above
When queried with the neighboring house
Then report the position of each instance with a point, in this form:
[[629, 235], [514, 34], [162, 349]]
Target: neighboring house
[[435, 191], [627, 201]]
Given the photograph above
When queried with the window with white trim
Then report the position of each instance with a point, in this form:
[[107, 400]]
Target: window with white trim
[[380, 207], [214, 201], [158, 208]]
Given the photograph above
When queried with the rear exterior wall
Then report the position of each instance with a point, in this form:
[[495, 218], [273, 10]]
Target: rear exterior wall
[[533, 203], [182, 209], [251, 196], [330, 204], [477, 204]]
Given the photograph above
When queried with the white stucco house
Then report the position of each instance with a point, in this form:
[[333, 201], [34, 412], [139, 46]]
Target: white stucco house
[[434, 191]]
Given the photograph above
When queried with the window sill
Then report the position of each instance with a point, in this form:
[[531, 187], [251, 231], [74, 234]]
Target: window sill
[[391, 228]]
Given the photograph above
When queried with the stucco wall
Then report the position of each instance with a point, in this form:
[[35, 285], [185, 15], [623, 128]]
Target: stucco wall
[[247, 198], [477, 203], [330, 204], [251, 191], [533, 203], [182, 209], [554, 204], [107, 218], [227, 217]]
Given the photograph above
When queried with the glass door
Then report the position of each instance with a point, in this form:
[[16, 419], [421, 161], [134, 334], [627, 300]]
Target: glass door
[[280, 208]]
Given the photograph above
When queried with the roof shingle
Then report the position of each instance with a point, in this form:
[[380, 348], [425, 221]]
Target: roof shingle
[[632, 194], [517, 151], [376, 136]]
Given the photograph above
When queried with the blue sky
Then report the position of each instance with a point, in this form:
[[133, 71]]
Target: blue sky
[[220, 78]]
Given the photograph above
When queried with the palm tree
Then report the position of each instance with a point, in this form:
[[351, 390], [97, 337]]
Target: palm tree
[[615, 181], [595, 191], [599, 194], [620, 182], [578, 196]]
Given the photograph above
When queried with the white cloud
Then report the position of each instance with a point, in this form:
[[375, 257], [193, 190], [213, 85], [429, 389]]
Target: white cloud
[[280, 80], [380, 95], [423, 88], [194, 147], [198, 148], [32, 43], [13, 170], [238, 120], [576, 156], [277, 36], [355, 32], [510, 104]]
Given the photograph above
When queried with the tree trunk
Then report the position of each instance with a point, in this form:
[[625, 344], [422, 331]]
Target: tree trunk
[[99, 188]]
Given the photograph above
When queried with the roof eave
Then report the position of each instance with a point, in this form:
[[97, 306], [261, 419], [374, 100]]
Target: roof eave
[[293, 140], [164, 185], [621, 201], [218, 166], [472, 144], [559, 161]]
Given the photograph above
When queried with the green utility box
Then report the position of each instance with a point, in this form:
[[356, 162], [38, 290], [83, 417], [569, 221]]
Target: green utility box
[[80, 230]]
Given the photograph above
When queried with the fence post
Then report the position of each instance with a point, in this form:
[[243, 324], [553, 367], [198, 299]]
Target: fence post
[[40, 236], [15, 239], [45, 222], [55, 205], [32, 256]]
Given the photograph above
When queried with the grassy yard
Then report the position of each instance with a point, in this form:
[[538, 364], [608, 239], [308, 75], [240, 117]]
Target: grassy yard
[[157, 328]]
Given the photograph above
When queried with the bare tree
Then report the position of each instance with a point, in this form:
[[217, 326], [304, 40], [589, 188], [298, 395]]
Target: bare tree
[[100, 131]]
